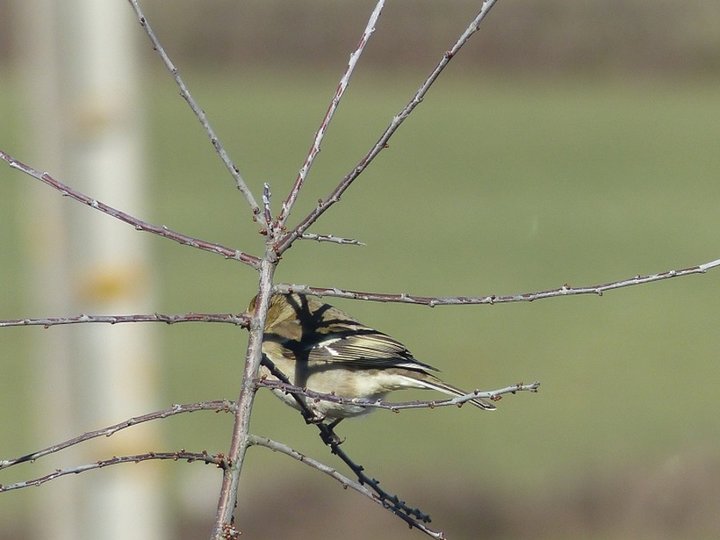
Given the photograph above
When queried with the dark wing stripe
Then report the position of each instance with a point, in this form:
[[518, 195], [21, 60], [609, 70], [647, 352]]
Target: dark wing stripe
[[365, 351]]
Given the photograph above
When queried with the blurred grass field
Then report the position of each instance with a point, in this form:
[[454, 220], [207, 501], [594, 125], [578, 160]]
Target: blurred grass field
[[495, 185]]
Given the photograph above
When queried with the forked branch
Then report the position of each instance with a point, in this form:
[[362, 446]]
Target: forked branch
[[287, 240]]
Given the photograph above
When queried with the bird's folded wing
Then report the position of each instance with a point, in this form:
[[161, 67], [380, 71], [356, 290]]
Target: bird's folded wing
[[364, 349]]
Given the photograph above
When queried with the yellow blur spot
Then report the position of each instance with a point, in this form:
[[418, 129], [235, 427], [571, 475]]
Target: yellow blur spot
[[112, 283]]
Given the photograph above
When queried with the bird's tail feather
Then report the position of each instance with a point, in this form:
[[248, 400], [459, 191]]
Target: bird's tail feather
[[450, 390]]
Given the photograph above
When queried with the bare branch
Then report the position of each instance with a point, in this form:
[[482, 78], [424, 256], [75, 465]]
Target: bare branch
[[275, 446], [334, 103], [332, 238], [139, 225], [197, 110], [229, 318], [344, 480], [288, 239], [227, 499], [432, 301], [181, 455], [494, 395], [217, 405]]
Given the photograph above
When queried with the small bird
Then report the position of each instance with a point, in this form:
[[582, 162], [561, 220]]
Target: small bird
[[320, 348]]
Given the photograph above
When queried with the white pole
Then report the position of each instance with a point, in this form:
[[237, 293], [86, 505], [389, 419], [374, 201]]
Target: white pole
[[86, 110]]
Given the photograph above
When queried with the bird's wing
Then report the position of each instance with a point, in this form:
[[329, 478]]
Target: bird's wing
[[363, 348]]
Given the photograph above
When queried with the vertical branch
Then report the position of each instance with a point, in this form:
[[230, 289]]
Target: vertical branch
[[334, 103], [266, 196], [224, 528]]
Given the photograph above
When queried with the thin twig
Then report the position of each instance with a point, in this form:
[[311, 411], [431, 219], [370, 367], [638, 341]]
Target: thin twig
[[332, 238], [288, 239], [217, 405], [334, 103], [139, 225], [344, 480], [229, 318], [493, 395], [432, 301], [266, 196], [199, 113], [181, 455]]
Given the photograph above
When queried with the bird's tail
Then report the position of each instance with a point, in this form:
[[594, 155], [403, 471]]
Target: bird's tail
[[433, 383]]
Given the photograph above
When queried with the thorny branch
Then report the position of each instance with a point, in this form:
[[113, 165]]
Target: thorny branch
[[331, 238], [228, 318], [181, 455], [223, 526], [432, 301], [216, 405], [197, 110], [493, 395], [139, 224], [344, 481]]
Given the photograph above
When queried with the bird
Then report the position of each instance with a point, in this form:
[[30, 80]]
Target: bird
[[320, 348]]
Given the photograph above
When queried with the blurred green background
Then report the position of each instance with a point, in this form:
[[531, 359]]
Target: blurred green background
[[573, 142]]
